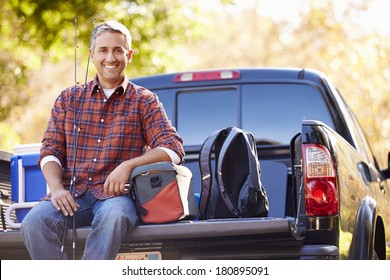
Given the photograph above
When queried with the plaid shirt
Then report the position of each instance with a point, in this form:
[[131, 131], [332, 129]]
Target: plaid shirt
[[111, 131]]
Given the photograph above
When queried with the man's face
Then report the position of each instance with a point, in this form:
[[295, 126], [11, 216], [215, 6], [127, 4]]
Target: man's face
[[110, 57]]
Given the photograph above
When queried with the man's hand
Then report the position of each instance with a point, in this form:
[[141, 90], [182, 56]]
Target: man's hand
[[63, 201], [115, 182]]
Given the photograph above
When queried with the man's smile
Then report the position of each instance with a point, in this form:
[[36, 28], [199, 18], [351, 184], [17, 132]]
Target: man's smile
[[110, 66]]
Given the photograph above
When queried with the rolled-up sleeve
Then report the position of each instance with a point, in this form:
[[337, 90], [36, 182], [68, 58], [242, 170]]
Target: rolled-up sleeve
[[54, 140], [158, 129]]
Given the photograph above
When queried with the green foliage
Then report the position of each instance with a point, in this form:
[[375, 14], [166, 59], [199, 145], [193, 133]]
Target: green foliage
[[8, 138], [47, 27], [12, 77], [35, 31], [172, 35]]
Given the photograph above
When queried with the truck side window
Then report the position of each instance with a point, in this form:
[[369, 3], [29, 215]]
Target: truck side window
[[274, 112], [199, 113], [362, 144]]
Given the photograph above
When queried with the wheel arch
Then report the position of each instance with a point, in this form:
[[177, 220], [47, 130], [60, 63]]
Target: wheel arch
[[367, 228]]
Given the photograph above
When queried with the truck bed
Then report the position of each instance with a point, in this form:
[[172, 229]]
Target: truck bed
[[197, 237]]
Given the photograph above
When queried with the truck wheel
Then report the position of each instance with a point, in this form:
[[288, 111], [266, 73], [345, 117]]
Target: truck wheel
[[375, 255]]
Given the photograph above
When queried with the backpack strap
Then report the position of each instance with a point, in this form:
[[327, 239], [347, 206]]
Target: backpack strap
[[234, 133], [254, 165], [255, 173], [206, 171]]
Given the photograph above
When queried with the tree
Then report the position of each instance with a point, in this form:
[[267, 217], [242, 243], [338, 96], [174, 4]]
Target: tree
[[34, 32], [323, 36], [354, 60]]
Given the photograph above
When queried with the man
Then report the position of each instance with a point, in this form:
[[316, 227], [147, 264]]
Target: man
[[121, 126]]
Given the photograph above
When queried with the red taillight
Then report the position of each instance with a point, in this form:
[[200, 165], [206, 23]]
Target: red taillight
[[207, 76], [321, 191]]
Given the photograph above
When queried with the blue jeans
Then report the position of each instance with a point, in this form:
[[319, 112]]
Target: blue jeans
[[43, 227]]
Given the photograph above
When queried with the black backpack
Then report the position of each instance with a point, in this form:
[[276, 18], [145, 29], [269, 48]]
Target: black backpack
[[231, 186]]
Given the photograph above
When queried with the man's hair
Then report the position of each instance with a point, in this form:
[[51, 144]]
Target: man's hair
[[110, 26]]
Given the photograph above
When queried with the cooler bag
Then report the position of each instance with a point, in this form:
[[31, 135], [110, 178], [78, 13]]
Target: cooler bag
[[163, 192]]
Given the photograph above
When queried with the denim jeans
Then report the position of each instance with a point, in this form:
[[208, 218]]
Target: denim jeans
[[43, 227]]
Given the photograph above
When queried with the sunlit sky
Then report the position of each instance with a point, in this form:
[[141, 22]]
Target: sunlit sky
[[376, 19]]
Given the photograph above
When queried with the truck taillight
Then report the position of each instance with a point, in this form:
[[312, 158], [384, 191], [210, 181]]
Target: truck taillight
[[321, 190], [206, 76]]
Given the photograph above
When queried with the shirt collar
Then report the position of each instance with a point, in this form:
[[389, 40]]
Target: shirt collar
[[121, 89]]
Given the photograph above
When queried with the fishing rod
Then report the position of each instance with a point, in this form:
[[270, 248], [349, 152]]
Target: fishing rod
[[76, 132]]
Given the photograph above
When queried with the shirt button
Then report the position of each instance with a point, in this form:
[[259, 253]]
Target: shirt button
[[102, 120], [76, 195], [89, 179], [94, 159], [99, 140]]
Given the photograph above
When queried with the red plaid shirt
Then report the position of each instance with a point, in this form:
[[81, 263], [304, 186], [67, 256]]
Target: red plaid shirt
[[112, 130]]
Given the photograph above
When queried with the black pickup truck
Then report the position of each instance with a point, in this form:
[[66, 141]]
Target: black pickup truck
[[328, 196]]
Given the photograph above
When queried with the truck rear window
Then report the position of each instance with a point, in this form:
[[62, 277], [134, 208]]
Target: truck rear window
[[202, 112], [272, 112]]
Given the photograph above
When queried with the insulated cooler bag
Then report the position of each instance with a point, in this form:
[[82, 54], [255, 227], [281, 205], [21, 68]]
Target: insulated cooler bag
[[163, 192]]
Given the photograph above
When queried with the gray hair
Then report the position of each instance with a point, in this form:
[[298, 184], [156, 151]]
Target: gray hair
[[110, 26]]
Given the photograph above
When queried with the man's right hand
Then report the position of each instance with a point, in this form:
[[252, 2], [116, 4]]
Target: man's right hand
[[61, 198], [63, 201]]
